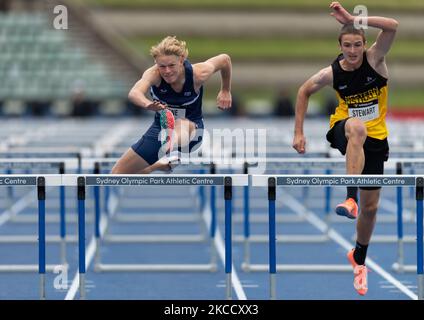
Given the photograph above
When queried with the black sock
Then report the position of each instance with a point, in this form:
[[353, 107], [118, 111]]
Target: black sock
[[352, 192], [360, 253]]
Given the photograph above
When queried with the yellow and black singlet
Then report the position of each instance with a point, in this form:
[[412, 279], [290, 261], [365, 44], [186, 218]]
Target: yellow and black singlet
[[362, 94]]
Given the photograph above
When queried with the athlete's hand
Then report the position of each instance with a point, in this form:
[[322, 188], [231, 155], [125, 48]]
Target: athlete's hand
[[341, 13], [155, 106], [223, 100], [299, 143]]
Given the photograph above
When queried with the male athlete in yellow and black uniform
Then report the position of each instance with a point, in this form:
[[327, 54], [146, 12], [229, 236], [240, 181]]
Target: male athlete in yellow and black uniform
[[362, 95], [357, 128]]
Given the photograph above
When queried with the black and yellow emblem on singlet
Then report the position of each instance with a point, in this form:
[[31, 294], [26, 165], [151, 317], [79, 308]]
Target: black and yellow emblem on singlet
[[362, 94]]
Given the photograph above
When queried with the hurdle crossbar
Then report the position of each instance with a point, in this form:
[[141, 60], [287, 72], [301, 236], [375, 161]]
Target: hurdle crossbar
[[272, 181], [98, 180], [98, 164]]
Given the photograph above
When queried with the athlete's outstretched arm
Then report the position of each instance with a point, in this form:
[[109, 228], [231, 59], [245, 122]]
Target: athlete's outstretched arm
[[138, 92], [312, 85], [203, 71], [384, 39]]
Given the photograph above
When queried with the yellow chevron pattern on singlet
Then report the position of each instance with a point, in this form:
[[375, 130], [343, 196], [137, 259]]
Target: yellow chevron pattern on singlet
[[362, 94], [377, 127]]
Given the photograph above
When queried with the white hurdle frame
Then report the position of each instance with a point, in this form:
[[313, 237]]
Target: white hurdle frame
[[331, 163], [41, 182], [94, 180], [95, 165], [272, 181], [61, 165]]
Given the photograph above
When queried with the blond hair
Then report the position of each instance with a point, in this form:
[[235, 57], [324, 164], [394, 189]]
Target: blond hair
[[170, 46]]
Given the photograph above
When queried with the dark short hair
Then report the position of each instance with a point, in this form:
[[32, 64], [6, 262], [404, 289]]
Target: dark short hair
[[351, 29]]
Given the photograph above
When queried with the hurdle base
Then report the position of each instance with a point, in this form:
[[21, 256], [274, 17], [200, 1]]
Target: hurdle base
[[154, 238], [404, 268], [263, 218], [50, 218], [386, 218], [28, 267], [34, 239], [295, 238], [155, 268], [122, 217], [383, 238], [298, 268]]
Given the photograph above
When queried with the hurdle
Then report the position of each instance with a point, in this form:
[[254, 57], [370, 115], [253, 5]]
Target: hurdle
[[400, 238], [41, 182], [243, 164], [271, 182], [58, 164], [287, 164], [45, 152], [95, 165], [13, 152], [400, 265], [93, 180], [328, 165]]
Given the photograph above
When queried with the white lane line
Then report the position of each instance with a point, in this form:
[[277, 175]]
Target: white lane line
[[391, 206], [220, 247], [88, 257], [17, 207], [295, 205]]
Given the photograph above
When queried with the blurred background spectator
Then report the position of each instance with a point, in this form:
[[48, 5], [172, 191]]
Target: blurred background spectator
[[330, 103], [133, 110], [238, 109], [5, 5], [82, 106], [38, 108], [284, 106]]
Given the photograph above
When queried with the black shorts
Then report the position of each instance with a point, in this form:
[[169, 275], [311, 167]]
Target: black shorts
[[376, 151]]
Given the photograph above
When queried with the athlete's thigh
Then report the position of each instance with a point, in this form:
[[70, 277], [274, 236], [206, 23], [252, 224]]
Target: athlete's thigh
[[129, 163], [185, 131]]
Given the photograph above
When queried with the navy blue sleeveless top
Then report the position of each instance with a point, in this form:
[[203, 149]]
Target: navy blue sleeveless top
[[184, 104]]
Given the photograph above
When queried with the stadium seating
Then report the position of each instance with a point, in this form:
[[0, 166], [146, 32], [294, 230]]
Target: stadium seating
[[39, 63]]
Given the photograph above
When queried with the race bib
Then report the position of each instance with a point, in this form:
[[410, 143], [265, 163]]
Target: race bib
[[178, 113], [366, 113]]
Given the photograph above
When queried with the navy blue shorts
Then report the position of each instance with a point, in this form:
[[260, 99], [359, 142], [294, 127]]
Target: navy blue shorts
[[149, 145]]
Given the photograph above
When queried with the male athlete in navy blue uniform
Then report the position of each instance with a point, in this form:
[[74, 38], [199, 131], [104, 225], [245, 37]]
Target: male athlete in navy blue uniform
[[174, 85]]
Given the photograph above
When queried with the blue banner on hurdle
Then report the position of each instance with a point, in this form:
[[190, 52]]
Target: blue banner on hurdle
[[360, 181]]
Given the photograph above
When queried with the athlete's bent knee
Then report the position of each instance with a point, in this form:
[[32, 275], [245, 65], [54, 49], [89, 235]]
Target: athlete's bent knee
[[355, 128], [115, 170], [370, 209]]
